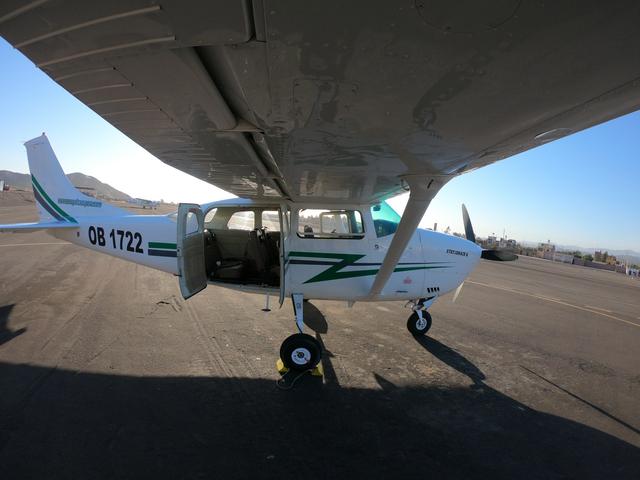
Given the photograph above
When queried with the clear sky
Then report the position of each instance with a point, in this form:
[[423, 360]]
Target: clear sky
[[581, 190]]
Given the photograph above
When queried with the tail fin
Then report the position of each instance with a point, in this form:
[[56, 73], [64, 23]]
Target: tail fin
[[56, 197]]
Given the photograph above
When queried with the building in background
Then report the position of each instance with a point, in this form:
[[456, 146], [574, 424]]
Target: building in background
[[546, 250], [563, 257], [507, 243], [611, 260]]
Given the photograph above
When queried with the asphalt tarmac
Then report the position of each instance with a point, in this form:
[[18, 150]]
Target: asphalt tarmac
[[105, 372]]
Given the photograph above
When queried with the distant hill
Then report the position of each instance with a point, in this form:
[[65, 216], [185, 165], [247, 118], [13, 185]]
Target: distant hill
[[18, 180], [104, 190], [23, 181]]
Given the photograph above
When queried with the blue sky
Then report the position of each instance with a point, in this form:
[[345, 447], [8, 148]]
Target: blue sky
[[581, 190]]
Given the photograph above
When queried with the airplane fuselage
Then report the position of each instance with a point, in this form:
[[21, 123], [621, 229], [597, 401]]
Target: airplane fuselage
[[337, 269]]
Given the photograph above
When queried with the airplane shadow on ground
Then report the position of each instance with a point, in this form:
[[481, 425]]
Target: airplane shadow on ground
[[58, 423], [452, 358], [314, 318], [5, 333]]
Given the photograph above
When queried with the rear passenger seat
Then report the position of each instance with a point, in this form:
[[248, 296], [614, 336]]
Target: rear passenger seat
[[233, 243], [239, 255], [224, 253]]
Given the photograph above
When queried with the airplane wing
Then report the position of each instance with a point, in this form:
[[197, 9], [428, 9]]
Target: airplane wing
[[333, 100]]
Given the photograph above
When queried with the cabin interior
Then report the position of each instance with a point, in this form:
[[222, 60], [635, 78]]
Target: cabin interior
[[242, 245]]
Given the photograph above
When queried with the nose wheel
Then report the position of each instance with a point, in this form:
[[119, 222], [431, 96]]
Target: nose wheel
[[300, 352], [419, 323]]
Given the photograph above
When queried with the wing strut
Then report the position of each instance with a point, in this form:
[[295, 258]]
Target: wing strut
[[423, 189]]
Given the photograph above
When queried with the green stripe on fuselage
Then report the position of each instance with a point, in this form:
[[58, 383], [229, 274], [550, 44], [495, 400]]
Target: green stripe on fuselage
[[334, 272], [53, 204], [163, 245]]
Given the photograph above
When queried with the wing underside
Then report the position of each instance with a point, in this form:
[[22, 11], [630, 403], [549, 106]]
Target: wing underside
[[336, 101]]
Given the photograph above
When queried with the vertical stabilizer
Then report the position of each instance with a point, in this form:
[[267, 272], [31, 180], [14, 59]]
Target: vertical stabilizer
[[56, 197]]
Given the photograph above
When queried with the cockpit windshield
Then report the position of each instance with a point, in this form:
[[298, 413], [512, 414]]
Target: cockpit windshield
[[385, 219]]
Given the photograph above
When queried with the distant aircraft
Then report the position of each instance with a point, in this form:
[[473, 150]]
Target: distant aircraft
[[261, 246], [143, 203], [314, 114]]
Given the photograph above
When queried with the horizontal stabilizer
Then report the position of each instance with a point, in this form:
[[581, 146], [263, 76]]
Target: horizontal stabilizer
[[32, 227]]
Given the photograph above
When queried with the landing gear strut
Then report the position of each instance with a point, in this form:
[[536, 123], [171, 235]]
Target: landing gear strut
[[419, 322], [300, 351]]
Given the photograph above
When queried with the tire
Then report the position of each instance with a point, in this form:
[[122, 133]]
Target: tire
[[300, 352], [416, 327]]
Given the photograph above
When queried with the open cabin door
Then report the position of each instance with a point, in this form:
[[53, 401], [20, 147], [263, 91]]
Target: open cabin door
[[285, 233], [190, 243]]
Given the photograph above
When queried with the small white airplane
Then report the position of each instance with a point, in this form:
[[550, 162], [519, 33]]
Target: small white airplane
[[314, 115], [310, 251], [143, 203]]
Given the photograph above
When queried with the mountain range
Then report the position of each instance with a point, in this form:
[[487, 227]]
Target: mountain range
[[103, 190]]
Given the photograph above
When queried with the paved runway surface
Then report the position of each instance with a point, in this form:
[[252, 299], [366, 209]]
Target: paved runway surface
[[105, 372]]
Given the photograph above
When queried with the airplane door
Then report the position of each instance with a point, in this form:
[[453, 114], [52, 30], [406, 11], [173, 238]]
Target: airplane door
[[190, 243], [285, 227]]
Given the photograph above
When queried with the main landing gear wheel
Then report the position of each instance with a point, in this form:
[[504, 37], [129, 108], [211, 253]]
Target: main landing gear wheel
[[300, 352], [419, 326]]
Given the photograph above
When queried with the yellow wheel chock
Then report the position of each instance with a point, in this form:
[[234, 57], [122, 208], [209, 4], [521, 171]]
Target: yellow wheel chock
[[317, 371]]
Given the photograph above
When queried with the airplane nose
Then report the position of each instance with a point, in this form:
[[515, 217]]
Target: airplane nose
[[475, 251], [473, 248]]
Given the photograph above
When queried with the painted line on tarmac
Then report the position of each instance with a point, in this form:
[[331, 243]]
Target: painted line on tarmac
[[33, 244], [598, 308], [555, 300]]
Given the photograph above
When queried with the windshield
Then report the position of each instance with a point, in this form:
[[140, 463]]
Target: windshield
[[385, 219]]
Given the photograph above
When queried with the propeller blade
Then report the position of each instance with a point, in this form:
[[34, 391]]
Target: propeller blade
[[468, 228], [499, 255], [496, 255], [458, 290]]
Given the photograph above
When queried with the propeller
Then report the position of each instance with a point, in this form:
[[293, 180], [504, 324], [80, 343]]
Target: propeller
[[468, 228], [487, 254]]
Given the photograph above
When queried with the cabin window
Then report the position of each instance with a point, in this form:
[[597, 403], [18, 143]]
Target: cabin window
[[242, 221], [208, 218], [385, 219], [316, 223], [192, 223], [271, 220]]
